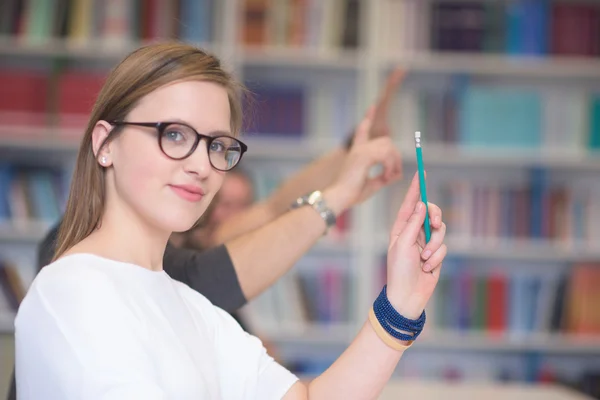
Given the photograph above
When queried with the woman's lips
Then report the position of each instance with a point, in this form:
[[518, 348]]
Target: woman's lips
[[188, 192]]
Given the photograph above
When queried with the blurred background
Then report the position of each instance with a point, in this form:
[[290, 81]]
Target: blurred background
[[506, 94]]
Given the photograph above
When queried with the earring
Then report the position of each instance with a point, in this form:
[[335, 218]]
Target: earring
[[103, 160]]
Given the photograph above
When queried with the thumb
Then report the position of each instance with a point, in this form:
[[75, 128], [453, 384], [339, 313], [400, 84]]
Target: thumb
[[364, 128], [413, 227]]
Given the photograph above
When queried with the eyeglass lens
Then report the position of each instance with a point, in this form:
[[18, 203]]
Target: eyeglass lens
[[177, 141]]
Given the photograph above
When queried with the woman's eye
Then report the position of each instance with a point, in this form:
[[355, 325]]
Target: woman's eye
[[174, 136], [217, 146]]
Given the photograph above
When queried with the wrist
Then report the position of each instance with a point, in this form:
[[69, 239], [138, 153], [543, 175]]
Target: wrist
[[335, 199], [389, 340], [410, 309], [397, 325], [317, 201]]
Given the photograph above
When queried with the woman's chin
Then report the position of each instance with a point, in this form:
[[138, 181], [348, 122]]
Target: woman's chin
[[179, 223], [179, 228]]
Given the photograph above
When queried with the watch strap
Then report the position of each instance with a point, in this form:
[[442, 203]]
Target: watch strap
[[317, 202]]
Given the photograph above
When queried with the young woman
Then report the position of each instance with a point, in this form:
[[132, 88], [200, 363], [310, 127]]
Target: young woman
[[161, 136]]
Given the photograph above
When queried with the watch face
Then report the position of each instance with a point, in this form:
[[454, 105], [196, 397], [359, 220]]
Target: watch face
[[316, 201], [315, 197]]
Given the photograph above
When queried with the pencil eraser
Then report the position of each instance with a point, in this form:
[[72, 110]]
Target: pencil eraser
[[417, 135]]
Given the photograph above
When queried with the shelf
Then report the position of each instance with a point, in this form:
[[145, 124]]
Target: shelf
[[39, 139], [89, 49], [35, 231], [332, 246], [298, 151], [342, 59], [497, 64], [67, 141], [514, 250], [452, 155], [277, 56], [534, 342], [7, 324], [281, 149], [527, 250], [343, 334], [43, 145], [336, 59], [313, 334], [25, 232]]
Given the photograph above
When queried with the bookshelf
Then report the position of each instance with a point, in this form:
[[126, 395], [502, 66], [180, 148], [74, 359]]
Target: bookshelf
[[337, 76]]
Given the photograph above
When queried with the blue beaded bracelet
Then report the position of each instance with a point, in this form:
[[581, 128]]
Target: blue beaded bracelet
[[394, 323]]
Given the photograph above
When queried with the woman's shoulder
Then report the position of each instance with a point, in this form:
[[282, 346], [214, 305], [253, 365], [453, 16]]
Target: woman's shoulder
[[191, 296], [202, 305], [73, 263], [74, 272], [71, 287]]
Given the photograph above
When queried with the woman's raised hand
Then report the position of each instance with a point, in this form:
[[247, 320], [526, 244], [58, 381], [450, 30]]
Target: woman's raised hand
[[413, 267]]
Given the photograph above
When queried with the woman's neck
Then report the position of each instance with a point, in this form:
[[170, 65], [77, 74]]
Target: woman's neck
[[122, 236]]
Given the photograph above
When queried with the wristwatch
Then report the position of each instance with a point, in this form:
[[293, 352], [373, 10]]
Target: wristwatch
[[316, 201]]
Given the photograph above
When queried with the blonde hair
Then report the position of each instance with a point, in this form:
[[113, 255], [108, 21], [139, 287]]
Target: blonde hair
[[140, 73]]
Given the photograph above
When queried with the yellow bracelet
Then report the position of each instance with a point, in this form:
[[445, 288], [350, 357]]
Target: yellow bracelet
[[384, 336]]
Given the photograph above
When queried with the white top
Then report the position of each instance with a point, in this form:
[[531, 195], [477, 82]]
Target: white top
[[92, 328]]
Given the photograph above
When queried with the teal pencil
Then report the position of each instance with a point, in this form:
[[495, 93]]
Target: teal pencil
[[422, 184]]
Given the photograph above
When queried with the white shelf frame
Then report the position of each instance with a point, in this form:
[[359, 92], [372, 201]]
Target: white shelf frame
[[500, 65], [509, 249]]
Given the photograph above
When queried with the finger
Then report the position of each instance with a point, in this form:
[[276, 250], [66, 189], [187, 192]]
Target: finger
[[398, 164], [436, 272], [436, 259], [391, 163], [370, 112], [362, 131], [382, 147], [408, 206], [408, 236], [380, 151], [436, 240], [396, 77], [392, 159], [389, 91], [435, 215], [380, 124]]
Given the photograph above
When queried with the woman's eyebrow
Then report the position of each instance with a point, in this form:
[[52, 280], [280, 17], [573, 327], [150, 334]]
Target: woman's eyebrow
[[217, 132]]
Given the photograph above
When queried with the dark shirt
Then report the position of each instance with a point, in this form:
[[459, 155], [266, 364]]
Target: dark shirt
[[210, 272]]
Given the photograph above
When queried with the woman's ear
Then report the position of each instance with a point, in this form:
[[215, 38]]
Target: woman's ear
[[99, 134]]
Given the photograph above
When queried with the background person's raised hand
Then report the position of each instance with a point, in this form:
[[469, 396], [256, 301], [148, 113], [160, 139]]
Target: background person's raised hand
[[354, 183]]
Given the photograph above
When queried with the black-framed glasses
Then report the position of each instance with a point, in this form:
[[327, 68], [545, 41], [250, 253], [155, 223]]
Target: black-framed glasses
[[178, 140]]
